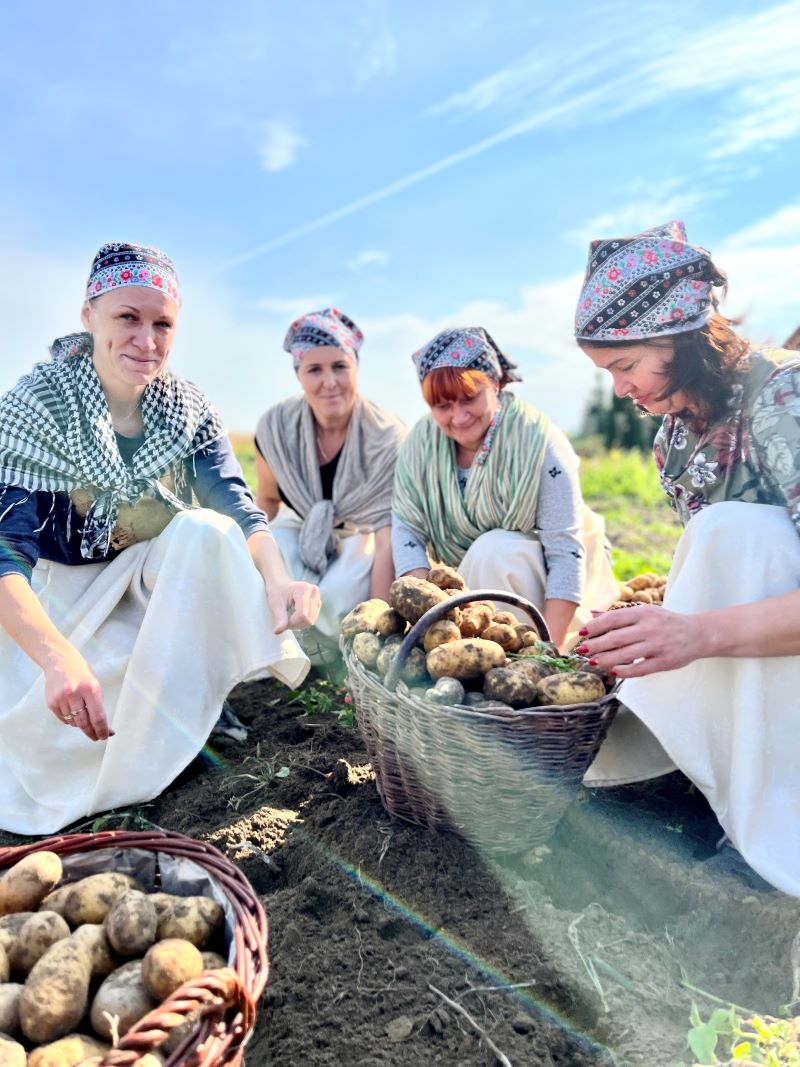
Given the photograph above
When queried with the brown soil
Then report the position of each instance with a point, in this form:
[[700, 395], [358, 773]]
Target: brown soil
[[367, 915]]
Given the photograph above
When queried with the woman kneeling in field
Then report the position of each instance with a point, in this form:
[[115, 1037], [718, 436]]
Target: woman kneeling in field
[[486, 484], [325, 464], [128, 614], [714, 674]]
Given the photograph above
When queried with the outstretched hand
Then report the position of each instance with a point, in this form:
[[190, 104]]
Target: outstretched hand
[[634, 642], [74, 696], [295, 605]]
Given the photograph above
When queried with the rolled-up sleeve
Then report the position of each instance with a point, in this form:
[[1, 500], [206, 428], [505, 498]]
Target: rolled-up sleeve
[[559, 515], [218, 483], [19, 539]]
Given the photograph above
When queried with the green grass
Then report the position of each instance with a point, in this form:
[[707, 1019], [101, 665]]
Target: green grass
[[621, 486]]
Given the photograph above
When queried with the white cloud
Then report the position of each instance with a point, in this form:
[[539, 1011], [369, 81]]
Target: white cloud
[[781, 227], [371, 258], [280, 144], [292, 307], [637, 213], [373, 44]]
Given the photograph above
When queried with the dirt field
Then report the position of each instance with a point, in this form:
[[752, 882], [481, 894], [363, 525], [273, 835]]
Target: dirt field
[[374, 923]]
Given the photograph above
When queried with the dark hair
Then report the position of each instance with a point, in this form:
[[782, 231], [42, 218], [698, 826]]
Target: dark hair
[[704, 367]]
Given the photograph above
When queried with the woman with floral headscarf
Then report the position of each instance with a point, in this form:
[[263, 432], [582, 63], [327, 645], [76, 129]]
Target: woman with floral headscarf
[[486, 484], [325, 462], [714, 674], [127, 614]]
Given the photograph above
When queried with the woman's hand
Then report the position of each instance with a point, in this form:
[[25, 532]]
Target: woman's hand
[[74, 696], [295, 605], [644, 640]]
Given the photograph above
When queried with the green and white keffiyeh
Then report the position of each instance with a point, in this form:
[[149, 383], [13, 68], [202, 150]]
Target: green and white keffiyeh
[[501, 491], [56, 435]]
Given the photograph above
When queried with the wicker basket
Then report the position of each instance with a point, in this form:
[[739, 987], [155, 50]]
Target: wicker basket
[[226, 1000], [502, 779]]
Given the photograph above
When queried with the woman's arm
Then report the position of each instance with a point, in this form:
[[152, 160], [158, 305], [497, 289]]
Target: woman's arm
[[662, 640], [295, 605], [267, 496], [72, 692], [408, 550], [383, 565]]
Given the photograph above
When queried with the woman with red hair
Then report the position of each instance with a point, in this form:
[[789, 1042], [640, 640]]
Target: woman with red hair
[[487, 484]]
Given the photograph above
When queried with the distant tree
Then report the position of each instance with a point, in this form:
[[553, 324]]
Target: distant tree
[[616, 421]]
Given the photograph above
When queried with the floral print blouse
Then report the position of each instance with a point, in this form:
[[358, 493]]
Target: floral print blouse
[[752, 455]]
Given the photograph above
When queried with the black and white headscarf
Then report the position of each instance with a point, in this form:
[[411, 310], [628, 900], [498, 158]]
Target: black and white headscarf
[[56, 435]]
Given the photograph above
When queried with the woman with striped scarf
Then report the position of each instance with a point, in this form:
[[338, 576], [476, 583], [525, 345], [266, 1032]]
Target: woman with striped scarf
[[486, 484], [127, 614]]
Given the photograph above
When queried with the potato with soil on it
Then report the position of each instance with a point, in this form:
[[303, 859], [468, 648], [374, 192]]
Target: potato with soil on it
[[90, 899], [446, 578], [10, 993], [532, 667], [41, 931], [412, 597], [413, 672], [366, 649], [212, 961], [440, 633], [123, 994], [510, 686], [131, 924], [464, 659], [195, 919], [505, 636], [475, 617], [578, 687], [168, 964], [446, 691], [69, 1051], [56, 993], [12, 1054], [93, 937], [56, 901], [372, 617], [5, 967], [386, 654], [25, 885]]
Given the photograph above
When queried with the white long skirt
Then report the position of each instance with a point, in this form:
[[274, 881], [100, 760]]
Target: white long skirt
[[168, 627], [344, 584], [507, 559], [731, 725]]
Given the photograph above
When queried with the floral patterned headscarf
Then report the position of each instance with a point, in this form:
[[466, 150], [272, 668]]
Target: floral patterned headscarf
[[472, 347], [649, 285], [320, 329], [118, 264]]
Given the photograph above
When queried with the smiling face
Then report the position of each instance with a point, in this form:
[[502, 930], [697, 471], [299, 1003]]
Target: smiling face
[[329, 380], [132, 329], [465, 419], [640, 372]]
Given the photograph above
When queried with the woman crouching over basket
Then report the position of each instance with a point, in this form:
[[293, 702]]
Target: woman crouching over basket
[[486, 484], [128, 614], [715, 673]]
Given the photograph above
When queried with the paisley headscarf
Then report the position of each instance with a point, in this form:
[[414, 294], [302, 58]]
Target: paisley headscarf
[[320, 329], [472, 347]]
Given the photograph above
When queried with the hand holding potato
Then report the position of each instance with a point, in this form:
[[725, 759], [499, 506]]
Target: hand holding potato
[[644, 640]]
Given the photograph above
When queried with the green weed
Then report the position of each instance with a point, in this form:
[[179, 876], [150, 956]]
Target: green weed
[[261, 772], [323, 697], [752, 1039]]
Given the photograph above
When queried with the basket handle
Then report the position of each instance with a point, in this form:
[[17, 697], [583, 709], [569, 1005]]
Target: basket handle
[[438, 611]]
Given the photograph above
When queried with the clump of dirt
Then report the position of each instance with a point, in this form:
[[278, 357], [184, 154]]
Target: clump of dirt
[[390, 944]]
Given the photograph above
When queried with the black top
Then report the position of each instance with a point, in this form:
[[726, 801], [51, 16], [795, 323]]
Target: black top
[[327, 472]]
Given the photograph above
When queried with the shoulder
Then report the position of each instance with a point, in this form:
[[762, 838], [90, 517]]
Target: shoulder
[[771, 378], [43, 388], [285, 412], [383, 421]]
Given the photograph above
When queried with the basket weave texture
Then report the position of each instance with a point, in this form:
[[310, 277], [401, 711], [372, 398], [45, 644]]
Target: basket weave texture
[[225, 1000], [502, 780]]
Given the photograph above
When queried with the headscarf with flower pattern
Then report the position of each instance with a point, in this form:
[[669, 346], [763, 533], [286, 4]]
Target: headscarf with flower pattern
[[118, 264], [472, 347], [649, 285], [319, 329]]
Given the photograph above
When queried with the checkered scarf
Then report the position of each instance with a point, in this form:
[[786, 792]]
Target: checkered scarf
[[56, 435]]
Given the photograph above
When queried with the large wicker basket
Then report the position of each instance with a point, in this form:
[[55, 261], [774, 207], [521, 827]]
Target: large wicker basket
[[226, 1000], [502, 780]]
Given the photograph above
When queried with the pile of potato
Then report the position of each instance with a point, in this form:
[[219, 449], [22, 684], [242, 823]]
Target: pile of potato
[[80, 963], [643, 589], [475, 656]]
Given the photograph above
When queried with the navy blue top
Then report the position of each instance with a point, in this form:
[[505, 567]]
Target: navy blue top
[[34, 525]]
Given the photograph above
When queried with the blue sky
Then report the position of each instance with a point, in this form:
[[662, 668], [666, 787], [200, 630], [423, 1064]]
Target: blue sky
[[420, 165]]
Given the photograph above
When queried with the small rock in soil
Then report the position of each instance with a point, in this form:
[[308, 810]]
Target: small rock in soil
[[522, 1023], [399, 1029]]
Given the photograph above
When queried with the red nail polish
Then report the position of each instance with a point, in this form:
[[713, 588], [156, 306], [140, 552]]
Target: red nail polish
[[592, 662], [583, 633], [582, 649]]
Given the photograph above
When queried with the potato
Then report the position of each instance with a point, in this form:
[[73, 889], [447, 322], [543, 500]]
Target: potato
[[538, 648], [68, 1051], [10, 926], [534, 669], [446, 577], [93, 937], [212, 961], [56, 992], [412, 597], [507, 618], [641, 581], [37, 935], [168, 964], [467, 658], [5, 967], [56, 901], [475, 617], [413, 671], [625, 592], [123, 994], [367, 648], [12, 1054], [386, 654], [440, 633], [514, 687], [90, 899], [193, 918], [371, 617], [505, 636], [642, 596], [578, 687], [446, 691], [131, 924], [25, 885], [10, 993]]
